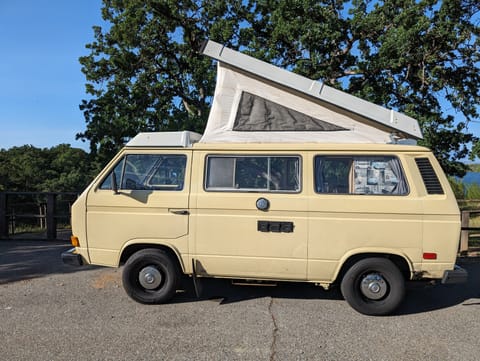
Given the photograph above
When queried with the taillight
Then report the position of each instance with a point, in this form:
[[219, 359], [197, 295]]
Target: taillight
[[429, 255]]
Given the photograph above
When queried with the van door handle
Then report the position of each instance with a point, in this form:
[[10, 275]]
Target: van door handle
[[182, 212]]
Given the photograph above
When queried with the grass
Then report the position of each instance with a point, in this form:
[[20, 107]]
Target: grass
[[27, 228], [475, 222]]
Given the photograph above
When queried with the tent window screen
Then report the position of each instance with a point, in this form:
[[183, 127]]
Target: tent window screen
[[258, 114], [253, 173], [381, 175]]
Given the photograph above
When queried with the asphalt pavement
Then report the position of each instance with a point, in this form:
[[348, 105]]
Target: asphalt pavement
[[50, 311]]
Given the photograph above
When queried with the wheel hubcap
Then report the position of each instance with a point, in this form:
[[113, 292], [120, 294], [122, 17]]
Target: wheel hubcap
[[373, 286], [150, 277]]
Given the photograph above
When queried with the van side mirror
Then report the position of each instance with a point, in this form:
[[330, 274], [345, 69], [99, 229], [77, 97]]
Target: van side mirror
[[114, 183]]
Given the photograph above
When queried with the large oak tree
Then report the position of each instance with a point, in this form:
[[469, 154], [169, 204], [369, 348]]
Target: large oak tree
[[419, 57]]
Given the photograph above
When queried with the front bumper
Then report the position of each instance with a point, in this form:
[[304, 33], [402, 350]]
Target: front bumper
[[72, 259], [457, 275]]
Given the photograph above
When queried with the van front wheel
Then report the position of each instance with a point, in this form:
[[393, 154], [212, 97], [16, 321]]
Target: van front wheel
[[150, 276], [373, 286]]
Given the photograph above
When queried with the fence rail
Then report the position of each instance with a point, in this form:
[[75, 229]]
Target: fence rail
[[466, 232], [48, 214]]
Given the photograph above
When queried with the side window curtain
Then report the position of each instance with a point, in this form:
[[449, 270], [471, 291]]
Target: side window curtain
[[401, 187], [378, 175]]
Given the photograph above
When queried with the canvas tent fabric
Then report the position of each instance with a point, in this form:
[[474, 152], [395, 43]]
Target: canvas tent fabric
[[249, 106]]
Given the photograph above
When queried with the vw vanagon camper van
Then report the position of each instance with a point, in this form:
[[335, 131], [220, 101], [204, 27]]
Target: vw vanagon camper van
[[338, 200]]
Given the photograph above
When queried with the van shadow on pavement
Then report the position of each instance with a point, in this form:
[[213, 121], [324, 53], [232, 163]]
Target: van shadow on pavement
[[27, 259], [429, 298], [421, 296]]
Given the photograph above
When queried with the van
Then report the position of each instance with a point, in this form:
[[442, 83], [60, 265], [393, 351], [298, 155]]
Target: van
[[365, 217], [291, 181]]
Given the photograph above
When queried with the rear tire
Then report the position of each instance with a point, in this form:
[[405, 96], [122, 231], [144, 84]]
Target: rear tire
[[150, 276], [373, 286]]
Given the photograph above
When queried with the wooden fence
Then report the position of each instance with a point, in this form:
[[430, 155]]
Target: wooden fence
[[45, 207], [468, 232]]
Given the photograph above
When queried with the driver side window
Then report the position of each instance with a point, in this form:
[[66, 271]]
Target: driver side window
[[148, 172]]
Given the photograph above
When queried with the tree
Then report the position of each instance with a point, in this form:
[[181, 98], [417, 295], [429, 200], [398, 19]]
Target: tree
[[418, 57], [58, 169], [145, 72], [20, 168]]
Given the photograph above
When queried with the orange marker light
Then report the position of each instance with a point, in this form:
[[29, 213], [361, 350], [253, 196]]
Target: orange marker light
[[75, 241], [430, 255]]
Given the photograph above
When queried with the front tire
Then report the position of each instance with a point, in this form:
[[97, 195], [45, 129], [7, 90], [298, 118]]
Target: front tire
[[373, 286], [150, 276]]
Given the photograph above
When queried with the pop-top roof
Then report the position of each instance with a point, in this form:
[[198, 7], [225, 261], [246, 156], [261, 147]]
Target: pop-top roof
[[164, 139], [258, 102]]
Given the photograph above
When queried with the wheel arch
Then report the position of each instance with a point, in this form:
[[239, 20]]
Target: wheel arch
[[130, 249], [401, 261]]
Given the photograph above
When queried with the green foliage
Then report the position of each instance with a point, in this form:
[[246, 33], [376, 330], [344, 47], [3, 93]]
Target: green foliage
[[58, 169], [419, 57], [458, 187], [473, 191]]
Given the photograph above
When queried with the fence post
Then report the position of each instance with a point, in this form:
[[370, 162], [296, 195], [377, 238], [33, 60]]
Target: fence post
[[464, 235], [51, 220], [3, 216]]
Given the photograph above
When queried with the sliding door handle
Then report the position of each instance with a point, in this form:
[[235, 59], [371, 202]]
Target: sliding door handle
[[182, 212]]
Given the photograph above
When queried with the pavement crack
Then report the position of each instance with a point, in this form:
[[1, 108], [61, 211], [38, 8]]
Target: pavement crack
[[273, 346]]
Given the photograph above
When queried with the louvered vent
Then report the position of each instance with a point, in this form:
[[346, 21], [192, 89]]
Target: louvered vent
[[430, 179]]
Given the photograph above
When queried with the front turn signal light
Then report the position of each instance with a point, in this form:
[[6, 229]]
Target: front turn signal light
[[75, 241]]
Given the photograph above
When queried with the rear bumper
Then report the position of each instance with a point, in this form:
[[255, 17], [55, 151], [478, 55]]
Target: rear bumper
[[457, 275], [72, 259]]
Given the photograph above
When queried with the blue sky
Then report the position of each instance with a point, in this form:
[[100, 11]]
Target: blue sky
[[41, 84]]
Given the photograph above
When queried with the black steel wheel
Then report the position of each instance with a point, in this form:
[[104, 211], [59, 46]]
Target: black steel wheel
[[150, 276], [373, 286]]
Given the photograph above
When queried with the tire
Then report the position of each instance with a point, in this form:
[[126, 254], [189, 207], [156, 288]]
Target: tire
[[150, 276], [373, 286]]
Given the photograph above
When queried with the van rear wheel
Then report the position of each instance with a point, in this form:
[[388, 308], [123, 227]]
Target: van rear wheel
[[373, 286], [150, 276]]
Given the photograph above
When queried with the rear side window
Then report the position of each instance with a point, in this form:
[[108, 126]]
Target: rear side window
[[380, 175], [430, 179], [148, 172], [253, 173]]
